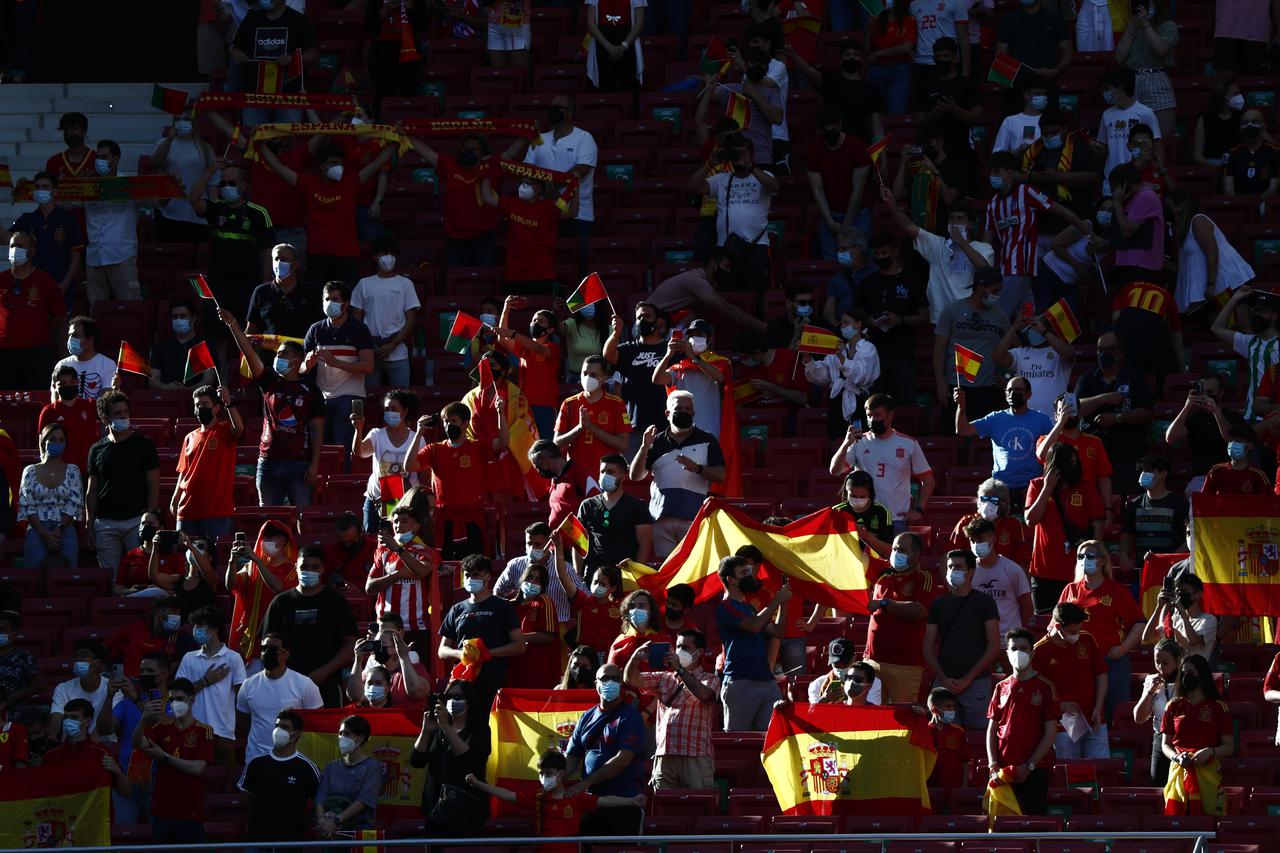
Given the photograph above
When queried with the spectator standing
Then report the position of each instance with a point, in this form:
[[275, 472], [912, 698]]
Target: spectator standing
[[1024, 716], [874, 519], [280, 785], [568, 148], [899, 606], [953, 259], [1236, 476], [606, 746], [891, 40], [1123, 112], [1069, 657], [401, 577], [32, 311], [481, 631], [387, 303], [123, 481], [133, 574], [962, 640], [386, 447], [615, 64], [96, 371], [269, 691], [539, 354], [50, 498], [271, 32], [184, 155], [255, 575], [340, 348], [1095, 464], [933, 25], [948, 739], [1147, 48], [892, 458], [202, 501], [160, 630], [87, 684], [1155, 522], [1038, 38], [1202, 422], [1260, 347], [592, 423], [1208, 265], [1158, 690], [169, 354], [945, 95], [850, 372], [770, 372], [1013, 432], [994, 504], [181, 747], [1117, 404], [1180, 616], [977, 323], [569, 483], [785, 329], [1019, 131], [240, 232], [684, 461], [76, 161], [1062, 511], [18, 672], [687, 697], [852, 256], [897, 307], [1217, 129], [1115, 619], [280, 306], [743, 197], [58, 234], [749, 690], [129, 700], [1137, 229], [1061, 165], [635, 358], [79, 748], [454, 742], [319, 625], [347, 798], [215, 673], [618, 524], [1196, 731], [470, 226], [831, 688], [112, 228], [999, 577], [534, 218], [1253, 167], [837, 168]]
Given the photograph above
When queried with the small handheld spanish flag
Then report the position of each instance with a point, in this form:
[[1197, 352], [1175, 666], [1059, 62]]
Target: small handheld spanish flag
[[1063, 321], [739, 109], [968, 363], [575, 534], [6, 176], [816, 340]]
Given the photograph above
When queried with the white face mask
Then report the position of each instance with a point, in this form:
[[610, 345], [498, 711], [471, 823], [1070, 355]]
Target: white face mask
[[279, 736], [698, 345], [346, 745], [270, 547], [386, 263], [988, 511], [180, 708], [1019, 659], [590, 384], [859, 504], [982, 549], [1088, 565], [525, 192], [334, 173], [685, 657], [17, 256], [548, 781]]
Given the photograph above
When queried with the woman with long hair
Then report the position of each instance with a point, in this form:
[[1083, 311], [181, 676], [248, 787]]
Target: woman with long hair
[[1062, 510], [891, 39], [1205, 256], [875, 520], [386, 445], [454, 742], [580, 671], [541, 630], [1217, 129], [1197, 734], [1147, 47], [1157, 693]]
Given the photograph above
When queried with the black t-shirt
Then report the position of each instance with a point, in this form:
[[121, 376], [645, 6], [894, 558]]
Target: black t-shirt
[[274, 312], [1124, 443], [119, 469], [904, 295], [646, 402], [856, 100], [169, 356], [261, 37], [317, 626], [492, 621], [780, 331], [443, 767], [961, 91], [1205, 440], [960, 170], [962, 629], [612, 530], [1079, 200], [1158, 525], [281, 789], [237, 237], [1252, 171], [1033, 39]]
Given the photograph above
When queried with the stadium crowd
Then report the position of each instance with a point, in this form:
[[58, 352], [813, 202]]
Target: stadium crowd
[[1008, 329]]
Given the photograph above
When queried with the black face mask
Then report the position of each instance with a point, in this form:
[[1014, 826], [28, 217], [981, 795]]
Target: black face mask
[[147, 681], [536, 331], [1190, 681], [1258, 323], [1186, 599], [467, 158], [1250, 132], [204, 414], [545, 473], [1017, 400], [453, 432], [755, 73], [682, 420], [381, 657], [878, 427], [556, 114], [67, 393], [831, 137], [147, 532], [883, 263], [674, 614], [271, 657], [851, 66], [749, 584], [645, 328], [581, 675], [72, 139]]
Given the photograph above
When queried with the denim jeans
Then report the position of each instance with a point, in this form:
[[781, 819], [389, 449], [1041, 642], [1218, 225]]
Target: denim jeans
[[894, 82], [34, 550], [544, 418], [337, 420], [282, 481], [135, 808], [388, 374], [367, 228], [1118, 686], [112, 537], [1092, 745], [827, 240], [214, 528], [1048, 288], [372, 515], [1015, 291]]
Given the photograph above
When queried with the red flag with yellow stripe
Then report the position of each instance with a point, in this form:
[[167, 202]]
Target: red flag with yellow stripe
[[833, 759], [574, 534], [66, 805], [1237, 552], [968, 363], [739, 109], [394, 731], [1063, 321], [816, 340], [523, 724]]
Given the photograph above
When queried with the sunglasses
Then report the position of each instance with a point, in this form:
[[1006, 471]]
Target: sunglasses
[[605, 678]]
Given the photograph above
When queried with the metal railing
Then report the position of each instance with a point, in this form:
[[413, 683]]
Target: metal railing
[[732, 841]]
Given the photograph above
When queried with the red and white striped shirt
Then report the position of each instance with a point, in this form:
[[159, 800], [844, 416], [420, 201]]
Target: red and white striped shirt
[[1013, 218], [409, 596]]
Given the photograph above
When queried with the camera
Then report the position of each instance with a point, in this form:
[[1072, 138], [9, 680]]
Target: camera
[[166, 541], [369, 646]]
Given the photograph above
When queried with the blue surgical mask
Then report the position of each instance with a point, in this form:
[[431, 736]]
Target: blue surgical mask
[[586, 312], [1135, 151], [608, 482], [201, 635], [1034, 338], [391, 419], [183, 127], [119, 424], [42, 196], [181, 327], [230, 195], [308, 579], [1235, 449], [75, 346], [996, 182], [537, 555], [281, 268], [1052, 143], [333, 310], [982, 550], [899, 561], [947, 717], [845, 259], [472, 585], [991, 300], [804, 310], [1109, 95], [1103, 218], [1088, 565], [489, 319], [71, 728], [638, 617], [80, 668], [173, 622], [375, 692], [848, 332], [1038, 102], [1146, 479], [102, 167], [530, 590], [608, 690], [406, 537], [55, 449]]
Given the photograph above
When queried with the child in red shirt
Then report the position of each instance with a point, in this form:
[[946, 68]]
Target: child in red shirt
[[540, 666], [948, 739], [599, 612], [539, 358]]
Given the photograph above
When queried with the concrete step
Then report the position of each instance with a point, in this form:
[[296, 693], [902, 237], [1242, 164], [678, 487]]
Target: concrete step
[[34, 90], [120, 128], [95, 106], [23, 105], [13, 134]]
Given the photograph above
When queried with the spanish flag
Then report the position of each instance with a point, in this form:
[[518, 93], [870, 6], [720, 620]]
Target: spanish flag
[[838, 759], [819, 553], [1154, 569], [272, 79], [816, 340], [739, 109], [523, 724], [391, 743], [876, 150], [575, 534], [1197, 791], [999, 797], [968, 363], [67, 805], [1237, 552], [1063, 321]]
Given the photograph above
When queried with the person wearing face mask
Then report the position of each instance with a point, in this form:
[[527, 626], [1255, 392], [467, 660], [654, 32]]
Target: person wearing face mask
[[856, 100], [850, 372], [202, 499], [408, 681], [743, 196], [274, 688], [182, 152], [895, 300], [330, 194], [96, 370], [962, 640], [1217, 129], [691, 365], [580, 671], [830, 686], [319, 624], [1095, 463], [539, 352], [768, 378], [978, 323], [1253, 167], [375, 689], [76, 160], [1124, 111], [605, 749], [837, 168], [874, 519], [453, 744], [1208, 265], [935, 173], [340, 349], [598, 608], [1203, 419], [111, 259], [1260, 347], [129, 700], [481, 626], [785, 329], [87, 684], [169, 352], [283, 305], [618, 524], [123, 481], [50, 496], [181, 747], [402, 568], [540, 627], [948, 739], [1155, 522], [1033, 351], [159, 631], [894, 460], [470, 226], [1013, 433], [636, 353], [32, 312], [570, 483], [215, 673], [350, 786], [78, 747], [1196, 731], [1237, 476], [1070, 659], [1020, 130], [269, 31], [1062, 509], [994, 504], [592, 423], [899, 603], [999, 577], [388, 447], [76, 415], [641, 623], [583, 334], [1153, 174], [852, 256], [1062, 165], [1115, 403], [255, 575], [460, 475], [350, 556], [293, 420], [1180, 616], [240, 232], [1115, 618], [280, 785], [684, 461], [58, 233], [388, 304], [749, 690], [1023, 716]]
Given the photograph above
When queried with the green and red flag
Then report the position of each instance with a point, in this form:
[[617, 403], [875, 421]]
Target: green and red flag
[[391, 488], [873, 7], [715, 59], [201, 286], [131, 361], [199, 359], [462, 332], [171, 101], [590, 291], [1004, 70]]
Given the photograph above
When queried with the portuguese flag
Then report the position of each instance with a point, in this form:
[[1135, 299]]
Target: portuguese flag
[[131, 361], [715, 59], [171, 101], [523, 724], [1237, 552], [201, 286], [199, 359], [574, 533], [67, 805], [462, 332], [589, 292], [1004, 70], [838, 759], [391, 743]]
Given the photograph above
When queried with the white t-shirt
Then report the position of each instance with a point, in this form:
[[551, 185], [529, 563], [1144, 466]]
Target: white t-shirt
[[263, 699], [742, 207], [95, 373], [1046, 370], [71, 689], [1016, 131], [187, 158], [385, 301], [1065, 271], [778, 74], [387, 459], [893, 462], [1114, 131], [950, 270], [819, 685], [215, 705], [1206, 625], [935, 19], [1006, 581], [576, 148]]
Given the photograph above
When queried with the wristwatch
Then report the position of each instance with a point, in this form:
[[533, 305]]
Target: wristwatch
[[1031, 766]]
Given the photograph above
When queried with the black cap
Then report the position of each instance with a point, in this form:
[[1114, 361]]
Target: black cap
[[985, 276], [1265, 299], [700, 327], [840, 651]]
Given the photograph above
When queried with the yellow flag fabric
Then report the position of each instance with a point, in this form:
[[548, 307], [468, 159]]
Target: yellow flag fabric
[[391, 743], [1237, 552], [1194, 792], [526, 723], [999, 798], [65, 805]]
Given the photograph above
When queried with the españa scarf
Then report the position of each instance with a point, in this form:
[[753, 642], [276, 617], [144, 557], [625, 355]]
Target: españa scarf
[[524, 128], [537, 173], [240, 100], [131, 188], [1035, 149], [999, 798], [387, 133], [926, 189], [1197, 791]]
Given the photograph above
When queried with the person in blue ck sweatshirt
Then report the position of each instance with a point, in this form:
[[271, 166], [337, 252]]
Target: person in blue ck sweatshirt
[[1013, 433]]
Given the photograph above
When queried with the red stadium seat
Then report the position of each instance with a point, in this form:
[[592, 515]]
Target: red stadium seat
[[753, 801], [953, 823], [1131, 801], [805, 824], [728, 824], [684, 801], [1263, 830]]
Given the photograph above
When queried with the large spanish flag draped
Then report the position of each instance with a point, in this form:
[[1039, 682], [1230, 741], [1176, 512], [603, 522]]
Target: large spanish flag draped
[[1237, 552], [526, 723], [819, 553], [391, 742], [836, 759], [68, 805]]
